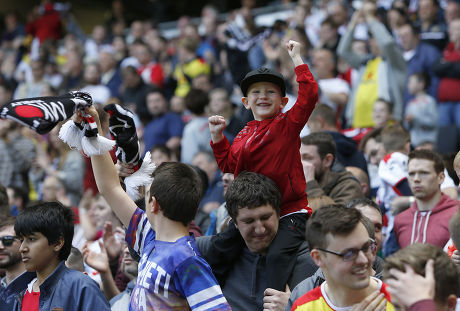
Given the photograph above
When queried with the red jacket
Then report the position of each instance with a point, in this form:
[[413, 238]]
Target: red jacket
[[412, 226], [271, 147]]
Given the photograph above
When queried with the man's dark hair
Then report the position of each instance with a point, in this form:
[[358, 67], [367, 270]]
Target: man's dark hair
[[323, 141], [251, 190], [416, 256], [374, 133], [6, 222], [52, 219], [333, 219], [178, 190], [324, 111], [414, 28], [364, 202], [4, 206], [196, 101], [428, 155]]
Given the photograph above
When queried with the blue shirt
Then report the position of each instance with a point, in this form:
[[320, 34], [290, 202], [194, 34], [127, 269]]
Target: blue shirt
[[172, 275], [161, 129]]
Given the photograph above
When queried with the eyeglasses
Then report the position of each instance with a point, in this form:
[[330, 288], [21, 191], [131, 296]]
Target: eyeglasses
[[8, 240], [351, 253]]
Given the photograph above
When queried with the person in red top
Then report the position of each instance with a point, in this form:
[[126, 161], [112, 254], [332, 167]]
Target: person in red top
[[448, 69], [270, 146], [46, 25]]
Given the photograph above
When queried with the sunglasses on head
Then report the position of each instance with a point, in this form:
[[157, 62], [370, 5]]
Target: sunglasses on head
[[8, 240]]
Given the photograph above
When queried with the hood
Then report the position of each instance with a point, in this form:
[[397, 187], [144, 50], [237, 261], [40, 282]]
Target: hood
[[347, 146]]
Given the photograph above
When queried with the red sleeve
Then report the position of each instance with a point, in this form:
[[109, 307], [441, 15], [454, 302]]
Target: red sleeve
[[306, 98], [224, 159], [156, 75]]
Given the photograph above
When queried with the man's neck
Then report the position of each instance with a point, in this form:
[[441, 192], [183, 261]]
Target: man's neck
[[429, 204], [13, 272], [346, 297]]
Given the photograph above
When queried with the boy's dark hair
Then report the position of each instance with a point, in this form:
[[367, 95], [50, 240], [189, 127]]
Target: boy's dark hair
[[251, 190], [364, 202], [52, 219], [424, 78], [323, 141], [416, 255], [4, 206], [333, 219], [394, 137], [454, 229], [196, 101], [177, 189], [324, 111], [429, 155]]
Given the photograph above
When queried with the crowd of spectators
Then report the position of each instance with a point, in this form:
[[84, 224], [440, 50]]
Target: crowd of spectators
[[388, 75]]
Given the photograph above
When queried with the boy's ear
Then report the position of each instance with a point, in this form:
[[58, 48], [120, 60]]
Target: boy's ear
[[284, 101], [245, 102], [316, 256], [154, 206], [59, 244]]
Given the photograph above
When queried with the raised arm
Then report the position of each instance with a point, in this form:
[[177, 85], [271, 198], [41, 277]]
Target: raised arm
[[108, 182], [293, 49]]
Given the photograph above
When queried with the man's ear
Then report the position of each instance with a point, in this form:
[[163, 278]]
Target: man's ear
[[245, 102], [328, 160], [59, 244], [284, 101], [317, 258]]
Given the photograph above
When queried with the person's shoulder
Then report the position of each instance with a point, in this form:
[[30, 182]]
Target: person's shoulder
[[310, 300], [76, 277]]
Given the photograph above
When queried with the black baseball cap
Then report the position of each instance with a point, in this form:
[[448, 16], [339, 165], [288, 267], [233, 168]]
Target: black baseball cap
[[263, 75]]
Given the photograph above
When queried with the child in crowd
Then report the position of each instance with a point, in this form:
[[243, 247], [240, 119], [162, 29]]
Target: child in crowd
[[46, 232], [172, 273], [421, 114], [269, 145], [393, 177]]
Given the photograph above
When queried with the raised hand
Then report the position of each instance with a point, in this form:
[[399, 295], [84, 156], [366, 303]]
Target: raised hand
[[217, 125], [293, 49]]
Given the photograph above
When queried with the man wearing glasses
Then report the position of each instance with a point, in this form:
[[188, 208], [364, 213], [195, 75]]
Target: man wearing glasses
[[341, 246], [11, 261]]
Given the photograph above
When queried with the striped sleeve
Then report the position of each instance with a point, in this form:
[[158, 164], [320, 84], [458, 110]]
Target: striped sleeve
[[195, 281], [138, 230]]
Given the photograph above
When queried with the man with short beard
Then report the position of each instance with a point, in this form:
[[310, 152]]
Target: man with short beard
[[11, 261], [129, 268]]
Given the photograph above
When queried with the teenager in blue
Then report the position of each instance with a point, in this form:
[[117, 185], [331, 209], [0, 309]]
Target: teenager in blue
[[46, 232], [172, 273]]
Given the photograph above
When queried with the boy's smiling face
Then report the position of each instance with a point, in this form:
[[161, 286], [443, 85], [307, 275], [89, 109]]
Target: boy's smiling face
[[264, 99]]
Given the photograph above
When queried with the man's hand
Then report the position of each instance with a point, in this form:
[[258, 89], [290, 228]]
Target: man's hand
[[217, 125], [409, 287], [374, 302], [308, 171], [456, 258], [124, 169], [293, 49], [97, 261], [275, 300], [369, 10], [112, 244]]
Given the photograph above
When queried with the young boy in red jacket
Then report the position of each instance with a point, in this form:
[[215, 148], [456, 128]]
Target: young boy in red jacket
[[269, 145]]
